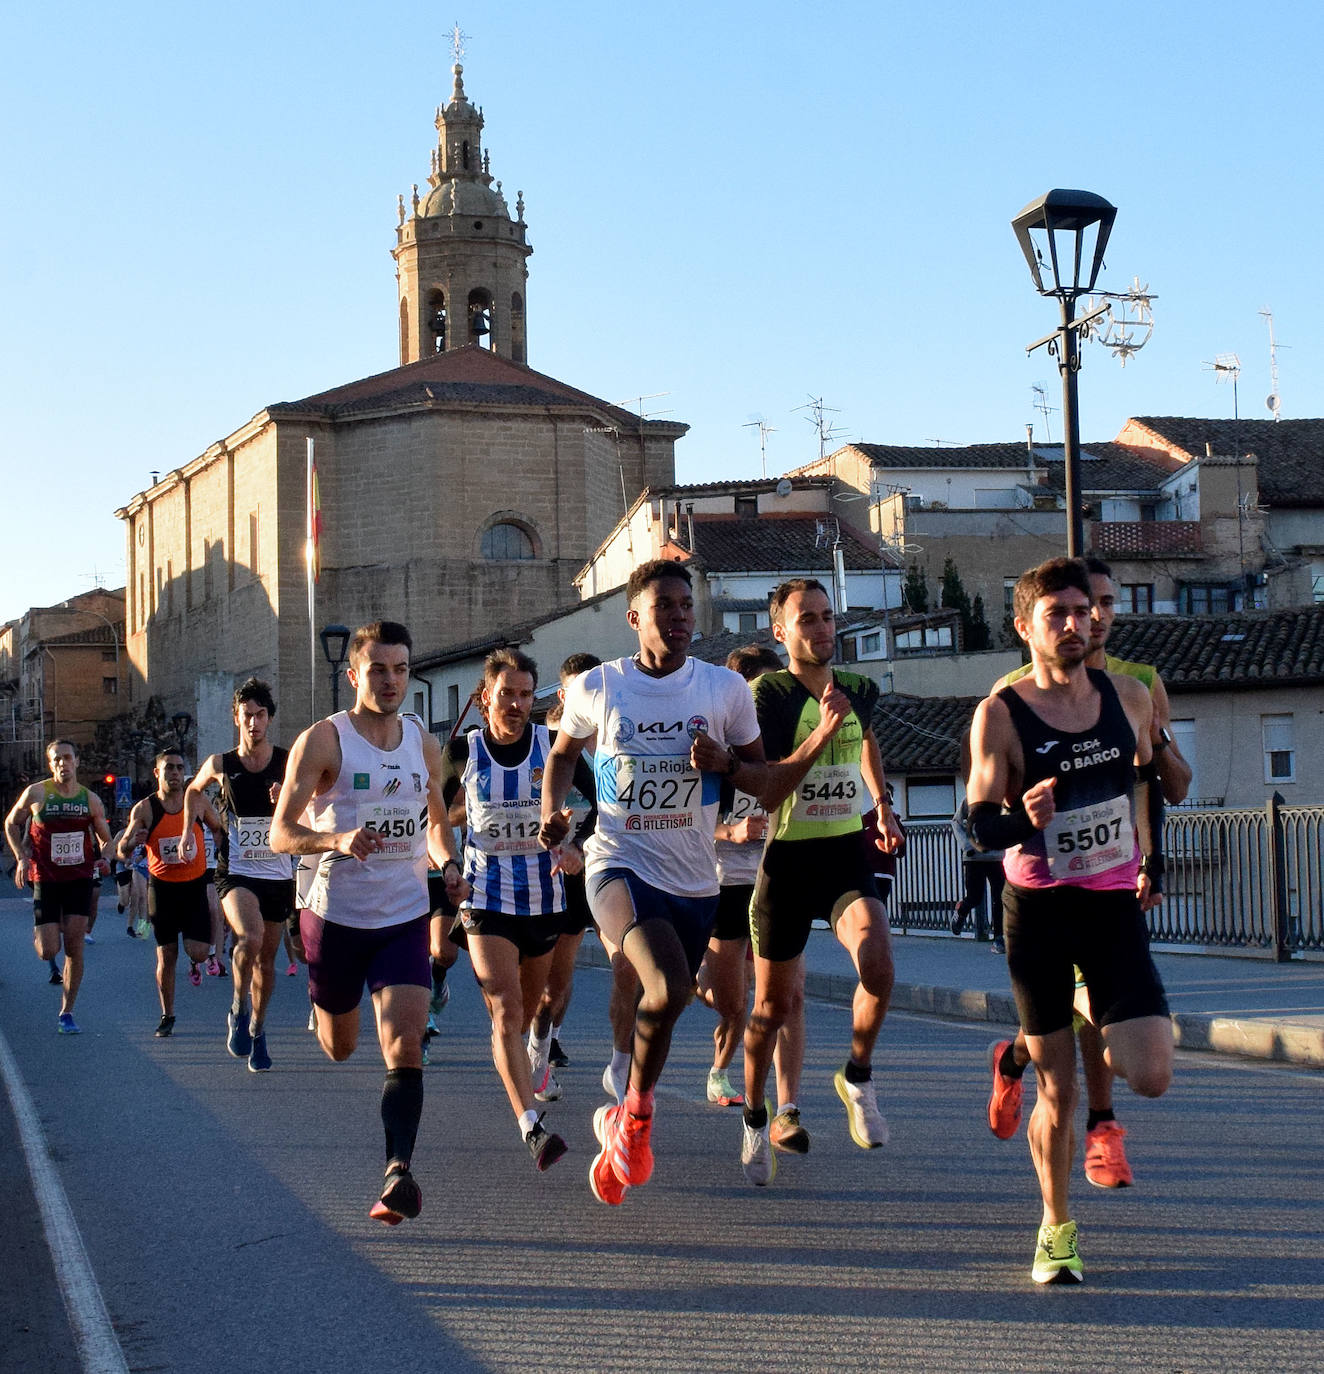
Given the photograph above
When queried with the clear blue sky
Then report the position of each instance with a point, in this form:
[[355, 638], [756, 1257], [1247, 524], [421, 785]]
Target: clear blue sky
[[740, 205]]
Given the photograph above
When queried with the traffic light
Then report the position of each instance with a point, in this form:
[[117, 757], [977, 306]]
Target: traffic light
[[109, 780]]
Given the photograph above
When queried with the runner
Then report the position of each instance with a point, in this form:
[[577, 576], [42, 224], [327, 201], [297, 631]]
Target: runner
[[816, 727], [1106, 1164], [545, 1033], [176, 876], [1060, 748], [256, 885], [51, 830], [365, 773], [517, 907], [668, 729]]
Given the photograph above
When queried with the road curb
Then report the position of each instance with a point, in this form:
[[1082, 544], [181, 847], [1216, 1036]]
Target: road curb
[[1264, 1038]]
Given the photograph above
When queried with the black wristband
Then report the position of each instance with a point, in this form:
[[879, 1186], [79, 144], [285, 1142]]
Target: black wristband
[[451, 863], [990, 829], [733, 767]]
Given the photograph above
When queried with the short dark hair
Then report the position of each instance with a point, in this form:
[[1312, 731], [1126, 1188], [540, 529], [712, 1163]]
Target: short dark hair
[[655, 570], [168, 753], [508, 659], [783, 593], [254, 689], [1056, 575], [1096, 567], [753, 660], [577, 664], [379, 632], [55, 743]]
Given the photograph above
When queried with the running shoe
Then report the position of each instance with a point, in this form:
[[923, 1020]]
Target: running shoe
[[999, 945], [545, 1146], [1055, 1256], [213, 968], [436, 1005], [67, 1025], [1105, 1157], [550, 1090], [88, 939], [221, 970], [957, 923], [1004, 1101], [292, 970], [56, 976], [788, 1135], [130, 932], [239, 1042], [556, 1056], [721, 1091], [756, 1156], [166, 1029], [194, 974], [400, 1197], [604, 1174], [613, 1088], [539, 1069], [312, 1019], [868, 1126], [259, 1061], [427, 1058], [636, 1132]]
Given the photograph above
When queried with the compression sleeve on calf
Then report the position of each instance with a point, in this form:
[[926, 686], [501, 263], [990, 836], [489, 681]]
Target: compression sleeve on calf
[[991, 828]]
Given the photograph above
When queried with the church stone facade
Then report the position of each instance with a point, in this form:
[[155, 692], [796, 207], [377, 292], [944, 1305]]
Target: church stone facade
[[460, 490]]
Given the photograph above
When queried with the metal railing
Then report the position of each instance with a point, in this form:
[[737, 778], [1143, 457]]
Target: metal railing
[[1238, 881]]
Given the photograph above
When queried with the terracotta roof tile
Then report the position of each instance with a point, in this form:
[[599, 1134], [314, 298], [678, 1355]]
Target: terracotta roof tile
[[922, 734], [1146, 538], [779, 544]]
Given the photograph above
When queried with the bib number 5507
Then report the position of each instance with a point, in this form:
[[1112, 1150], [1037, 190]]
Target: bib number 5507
[[1087, 837]]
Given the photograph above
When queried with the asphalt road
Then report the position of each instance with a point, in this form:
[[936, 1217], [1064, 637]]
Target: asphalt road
[[225, 1213]]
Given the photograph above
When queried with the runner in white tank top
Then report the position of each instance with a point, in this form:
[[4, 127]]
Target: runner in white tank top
[[370, 776]]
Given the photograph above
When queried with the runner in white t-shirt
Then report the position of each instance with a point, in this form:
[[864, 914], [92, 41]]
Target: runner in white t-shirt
[[669, 728]]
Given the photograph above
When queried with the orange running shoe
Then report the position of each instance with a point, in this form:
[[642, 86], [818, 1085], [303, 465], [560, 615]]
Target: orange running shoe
[[1004, 1102], [635, 1134], [604, 1174], [400, 1197], [1105, 1157]]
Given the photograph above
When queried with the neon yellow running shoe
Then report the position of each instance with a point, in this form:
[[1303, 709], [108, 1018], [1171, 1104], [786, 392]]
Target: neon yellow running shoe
[[1055, 1257]]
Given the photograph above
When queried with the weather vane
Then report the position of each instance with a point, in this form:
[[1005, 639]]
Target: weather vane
[[457, 40]]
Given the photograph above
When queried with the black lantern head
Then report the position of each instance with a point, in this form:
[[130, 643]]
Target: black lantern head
[[335, 639], [1064, 219]]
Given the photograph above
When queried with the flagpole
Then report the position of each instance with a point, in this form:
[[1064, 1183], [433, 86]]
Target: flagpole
[[309, 559]]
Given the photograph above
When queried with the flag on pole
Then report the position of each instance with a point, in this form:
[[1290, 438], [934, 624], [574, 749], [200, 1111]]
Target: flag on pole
[[314, 520]]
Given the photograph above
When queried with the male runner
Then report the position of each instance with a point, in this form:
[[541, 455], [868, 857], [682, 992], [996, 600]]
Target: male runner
[[1106, 1164], [1060, 748], [51, 829], [545, 1033], [365, 773], [255, 884], [668, 728], [517, 906], [826, 764], [176, 875]]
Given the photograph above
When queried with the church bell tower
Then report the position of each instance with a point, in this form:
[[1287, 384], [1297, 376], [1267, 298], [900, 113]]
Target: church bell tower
[[461, 262]]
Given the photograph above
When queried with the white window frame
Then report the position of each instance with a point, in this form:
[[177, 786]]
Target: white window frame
[[1278, 734]]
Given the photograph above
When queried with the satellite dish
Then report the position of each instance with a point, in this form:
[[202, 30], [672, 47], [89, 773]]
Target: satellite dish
[[784, 487]]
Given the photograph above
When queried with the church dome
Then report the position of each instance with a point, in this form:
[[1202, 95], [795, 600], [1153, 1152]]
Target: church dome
[[463, 197]]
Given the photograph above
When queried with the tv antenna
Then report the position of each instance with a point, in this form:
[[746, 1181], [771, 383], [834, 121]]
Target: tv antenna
[[817, 417], [1040, 390], [764, 429], [1130, 319], [1274, 400], [1226, 367]]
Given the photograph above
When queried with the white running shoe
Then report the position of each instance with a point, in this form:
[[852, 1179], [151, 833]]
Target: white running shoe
[[550, 1090], [868, 1126], [756, 1156], [614, 1089]]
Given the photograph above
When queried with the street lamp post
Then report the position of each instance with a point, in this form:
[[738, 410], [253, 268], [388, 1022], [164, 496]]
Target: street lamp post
[[1060, 222], [335, 640], [181, 722]]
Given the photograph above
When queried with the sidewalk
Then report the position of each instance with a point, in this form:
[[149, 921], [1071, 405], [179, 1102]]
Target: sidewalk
[[1241, 1006]]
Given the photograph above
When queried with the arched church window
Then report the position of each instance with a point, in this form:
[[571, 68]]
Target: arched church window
[[505, 542], [480, 318], [436, 318]]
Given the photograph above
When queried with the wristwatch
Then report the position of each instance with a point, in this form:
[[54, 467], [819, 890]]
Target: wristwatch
[[1164, 739], [733, 766]]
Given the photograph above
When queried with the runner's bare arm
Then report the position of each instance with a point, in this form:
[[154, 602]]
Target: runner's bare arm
[[16, 832], [1174, 772], [785, 775], [890, 835], [441, 838], [557, 777], [136, 830], [313, 766]]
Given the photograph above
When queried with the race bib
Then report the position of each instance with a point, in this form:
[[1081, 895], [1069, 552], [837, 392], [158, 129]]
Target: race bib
[[656, 792], [251, 838], [829, 792], [396, 823], [506, 827], [1090, 840], [169, 849], [67, 849]]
